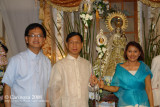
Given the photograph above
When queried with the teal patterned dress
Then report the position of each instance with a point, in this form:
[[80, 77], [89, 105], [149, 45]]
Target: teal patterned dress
[[131, 87]]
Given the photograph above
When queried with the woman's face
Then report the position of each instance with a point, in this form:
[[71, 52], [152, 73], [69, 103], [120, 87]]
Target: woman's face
[[2, 51], [133, 53]]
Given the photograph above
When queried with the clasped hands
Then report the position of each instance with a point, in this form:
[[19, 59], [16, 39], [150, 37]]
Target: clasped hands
[[94, 81]]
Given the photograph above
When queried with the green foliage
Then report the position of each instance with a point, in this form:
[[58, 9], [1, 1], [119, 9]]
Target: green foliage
[[79, 26], [151, 41]]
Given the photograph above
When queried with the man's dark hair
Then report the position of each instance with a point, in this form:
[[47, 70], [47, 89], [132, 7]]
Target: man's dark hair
[[33, 26], [74, 34], [4, 47]]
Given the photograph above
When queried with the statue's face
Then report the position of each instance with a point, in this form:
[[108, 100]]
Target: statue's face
[[118, 29]]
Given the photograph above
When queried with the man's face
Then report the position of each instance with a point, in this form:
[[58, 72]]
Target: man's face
[[35, 39], [74, 46]]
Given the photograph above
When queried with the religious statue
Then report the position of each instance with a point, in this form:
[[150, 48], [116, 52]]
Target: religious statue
[[110, 52], [114, 52]]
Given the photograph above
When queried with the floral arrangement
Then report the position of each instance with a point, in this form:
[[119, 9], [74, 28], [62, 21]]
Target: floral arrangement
[[101, 51], [102, 6], [86, 19]]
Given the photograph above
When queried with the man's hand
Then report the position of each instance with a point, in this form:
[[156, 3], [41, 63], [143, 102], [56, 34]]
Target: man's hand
[[93, 80]]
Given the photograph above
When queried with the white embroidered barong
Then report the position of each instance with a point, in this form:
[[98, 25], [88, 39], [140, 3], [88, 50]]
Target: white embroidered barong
[[68, 86], [155, 68]]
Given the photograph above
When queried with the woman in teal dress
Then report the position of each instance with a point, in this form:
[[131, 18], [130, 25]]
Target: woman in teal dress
[[131, 82]]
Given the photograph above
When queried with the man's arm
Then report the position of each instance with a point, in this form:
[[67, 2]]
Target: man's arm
[[7, 94], [47, 100], [148, 88], [155, 70], [55, 88]]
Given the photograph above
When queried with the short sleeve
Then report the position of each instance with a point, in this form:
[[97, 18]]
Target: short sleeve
[[10, 72], [116, 80], [147, 71]]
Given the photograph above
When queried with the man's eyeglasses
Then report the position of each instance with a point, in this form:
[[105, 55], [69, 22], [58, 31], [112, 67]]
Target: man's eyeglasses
[[33, 36]]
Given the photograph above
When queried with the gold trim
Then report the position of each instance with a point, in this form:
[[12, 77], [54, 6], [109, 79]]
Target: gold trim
[[85, 6], [116, 14], [67, 9], [150, 3]]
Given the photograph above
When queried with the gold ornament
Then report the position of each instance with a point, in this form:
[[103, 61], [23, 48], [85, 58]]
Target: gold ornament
[[101, 38], [121, 22], [86, 6]]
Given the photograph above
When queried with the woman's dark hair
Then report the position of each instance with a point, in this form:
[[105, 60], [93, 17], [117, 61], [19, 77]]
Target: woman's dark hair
[[4, 47], [33, 26], [138, 46], [74, 34]]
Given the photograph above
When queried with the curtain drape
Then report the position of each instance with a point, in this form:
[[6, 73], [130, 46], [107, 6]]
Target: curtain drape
[[152, 3], [65, 5], [17, 15]]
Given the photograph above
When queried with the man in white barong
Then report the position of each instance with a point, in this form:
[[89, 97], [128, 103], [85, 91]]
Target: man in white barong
[[155, 68], [68, 85]]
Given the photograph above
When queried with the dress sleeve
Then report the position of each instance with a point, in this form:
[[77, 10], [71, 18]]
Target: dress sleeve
[[9, 76], [116, 80], [148, 71], [55, 87]]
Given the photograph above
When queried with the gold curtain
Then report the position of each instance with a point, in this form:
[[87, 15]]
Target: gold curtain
[[45, 14], [65, 5], [152, 3]]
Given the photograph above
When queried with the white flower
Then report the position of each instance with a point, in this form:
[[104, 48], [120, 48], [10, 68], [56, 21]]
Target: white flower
[[90, 17], [107, 7], [91, 96], [153, 25], [98, 49], [85, 18], [101, 12], [154, 48], [86, 24], [100, 55], [104, 49], [82, 16]]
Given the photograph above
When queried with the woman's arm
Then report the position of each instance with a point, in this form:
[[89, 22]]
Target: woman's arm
[[108, 88], [148, 88], [7, 95]]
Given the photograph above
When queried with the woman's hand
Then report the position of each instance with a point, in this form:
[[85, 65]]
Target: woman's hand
[[101, 83]]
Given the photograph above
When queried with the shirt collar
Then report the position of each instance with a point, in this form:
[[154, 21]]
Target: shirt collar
[[33, 55], [72, 58]]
